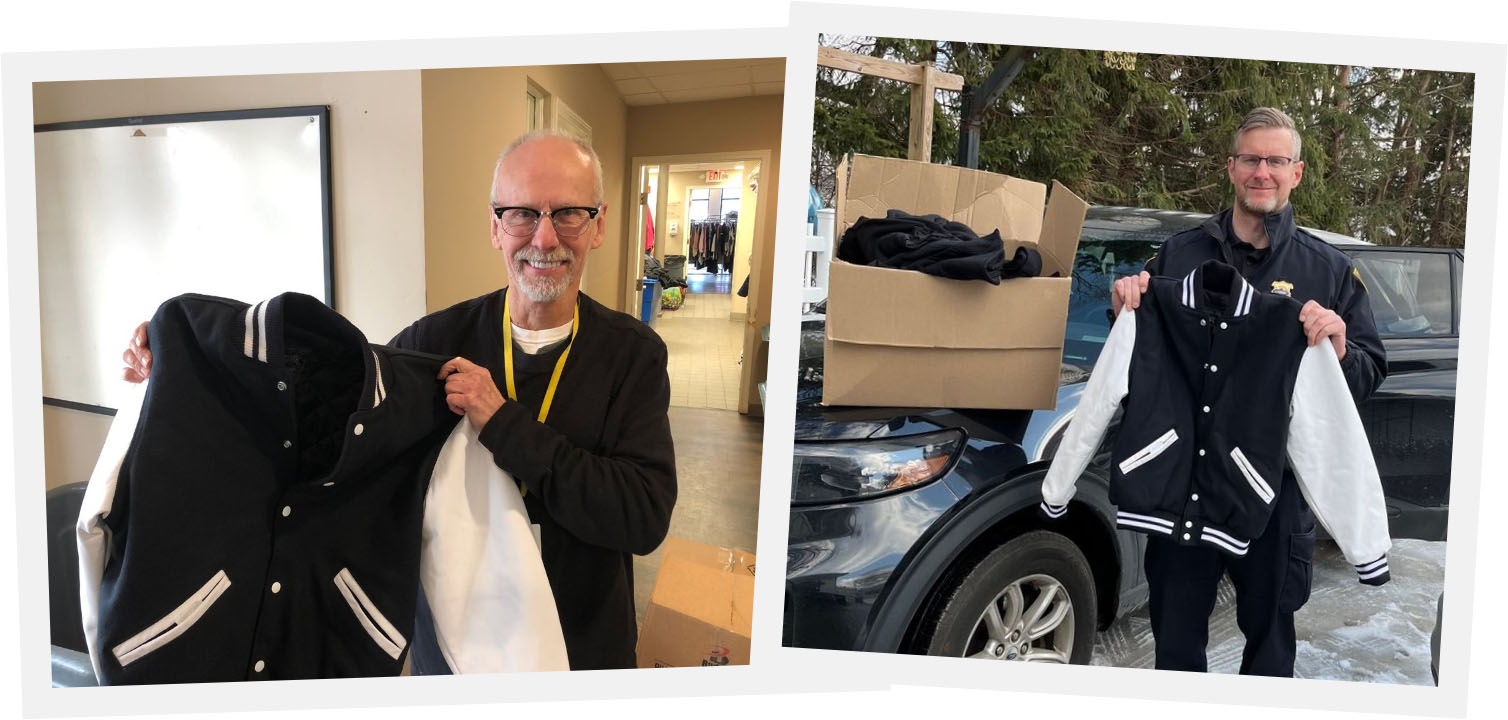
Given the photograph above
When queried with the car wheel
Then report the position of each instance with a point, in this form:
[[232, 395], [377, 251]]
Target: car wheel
[[1031, 599]]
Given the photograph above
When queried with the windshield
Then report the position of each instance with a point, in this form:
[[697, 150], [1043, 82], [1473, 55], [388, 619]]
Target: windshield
[[1104, 255]]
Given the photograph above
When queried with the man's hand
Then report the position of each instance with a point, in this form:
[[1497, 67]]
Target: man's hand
[[1126, 292], [469, 391], [1320, 322], [137, 357]]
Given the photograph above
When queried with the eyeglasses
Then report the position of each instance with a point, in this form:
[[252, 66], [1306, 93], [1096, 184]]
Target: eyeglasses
[[568, 221], [1276, 162]]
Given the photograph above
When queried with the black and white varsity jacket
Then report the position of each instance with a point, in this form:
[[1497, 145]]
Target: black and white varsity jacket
[[1220, 395], [267, 510]]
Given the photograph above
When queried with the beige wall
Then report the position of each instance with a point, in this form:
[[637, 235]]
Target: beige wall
[[469, 116], [723, 126], [377, 197]]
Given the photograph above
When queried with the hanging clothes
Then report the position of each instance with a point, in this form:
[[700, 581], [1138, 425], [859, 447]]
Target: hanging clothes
[[649, 230]]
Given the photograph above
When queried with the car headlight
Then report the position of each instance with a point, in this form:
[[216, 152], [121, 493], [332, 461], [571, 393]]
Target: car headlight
[[855, 469]]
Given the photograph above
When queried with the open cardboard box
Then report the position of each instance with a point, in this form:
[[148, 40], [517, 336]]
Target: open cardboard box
[[702, 608], [908, 339]]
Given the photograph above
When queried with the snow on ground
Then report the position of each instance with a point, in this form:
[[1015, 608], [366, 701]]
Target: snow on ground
[[1347, 631]]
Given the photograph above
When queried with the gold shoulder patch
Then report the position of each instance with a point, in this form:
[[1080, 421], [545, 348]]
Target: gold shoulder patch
[[1282, 287], [1357, 274]]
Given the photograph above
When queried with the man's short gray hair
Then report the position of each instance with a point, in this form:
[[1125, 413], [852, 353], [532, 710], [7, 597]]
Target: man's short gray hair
[[533, 135], [1266, 117]]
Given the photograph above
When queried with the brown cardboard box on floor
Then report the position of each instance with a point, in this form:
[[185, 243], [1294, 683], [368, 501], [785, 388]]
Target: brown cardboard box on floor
[[908, 339], [702, 607]]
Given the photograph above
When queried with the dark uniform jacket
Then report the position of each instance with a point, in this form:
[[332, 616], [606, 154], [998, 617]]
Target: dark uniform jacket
[[1220, 393], [600, 471], [1297, 264]]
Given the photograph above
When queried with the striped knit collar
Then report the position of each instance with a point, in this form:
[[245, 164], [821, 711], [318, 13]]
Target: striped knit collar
[[1239, 293]]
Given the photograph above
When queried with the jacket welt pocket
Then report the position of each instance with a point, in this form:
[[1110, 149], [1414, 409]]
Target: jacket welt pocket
[[1253, 477], [1146, 454], [382, 632], [173, 624]]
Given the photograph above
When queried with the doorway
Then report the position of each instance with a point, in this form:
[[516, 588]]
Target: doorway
[[697, 218]]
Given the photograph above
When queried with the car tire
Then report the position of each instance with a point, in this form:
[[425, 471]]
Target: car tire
[[989, 613]]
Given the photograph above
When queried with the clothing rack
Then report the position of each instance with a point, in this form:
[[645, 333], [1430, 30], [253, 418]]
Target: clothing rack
[[709, 244]]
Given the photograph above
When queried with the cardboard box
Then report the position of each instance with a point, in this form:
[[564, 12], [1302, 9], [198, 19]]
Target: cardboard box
[[907, 339], [702, 608]]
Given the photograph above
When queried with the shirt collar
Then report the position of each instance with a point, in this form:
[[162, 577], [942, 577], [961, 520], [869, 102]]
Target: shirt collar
[[1238, 293]]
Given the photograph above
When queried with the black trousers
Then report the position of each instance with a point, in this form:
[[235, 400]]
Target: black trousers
[[1272, 582]]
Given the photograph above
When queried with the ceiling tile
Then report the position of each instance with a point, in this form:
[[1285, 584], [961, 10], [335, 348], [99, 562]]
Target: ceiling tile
[[634, 86], [702, 94], [620, 71], [651, 98]]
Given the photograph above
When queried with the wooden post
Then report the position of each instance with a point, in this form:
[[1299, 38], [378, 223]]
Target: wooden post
[[923, 94], [925, 81]]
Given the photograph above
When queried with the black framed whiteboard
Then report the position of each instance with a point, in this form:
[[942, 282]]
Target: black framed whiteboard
[[132, 211]]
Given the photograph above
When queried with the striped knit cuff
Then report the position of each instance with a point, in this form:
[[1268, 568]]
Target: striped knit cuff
[[1052, 512], [1375, 572]]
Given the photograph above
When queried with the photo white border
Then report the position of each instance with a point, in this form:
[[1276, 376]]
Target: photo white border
[[1486, 61], [17, 74]]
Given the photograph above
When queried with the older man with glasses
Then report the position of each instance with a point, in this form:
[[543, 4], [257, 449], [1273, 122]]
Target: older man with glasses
[[571, 397], [1258, 237]]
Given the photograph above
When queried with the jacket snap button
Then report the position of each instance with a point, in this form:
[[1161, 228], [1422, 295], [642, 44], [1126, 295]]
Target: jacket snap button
[[1223, 326], [282, 385], [287, 511], [1202, 323], [1206, 408], [1201, 452], [1194, 497], [259, 666], [1214, 368], [359, 429], [1188, 523], [276, 587], [1185, 536]]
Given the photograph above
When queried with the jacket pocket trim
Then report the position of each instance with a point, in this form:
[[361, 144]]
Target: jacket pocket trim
[[173, 624], [1152, 450], [1253, 478], [377, 626]]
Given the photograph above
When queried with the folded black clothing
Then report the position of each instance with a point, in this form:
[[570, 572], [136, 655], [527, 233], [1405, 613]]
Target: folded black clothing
[[935, 245]]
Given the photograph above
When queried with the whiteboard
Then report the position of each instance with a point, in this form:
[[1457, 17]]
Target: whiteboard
[[134, 211]]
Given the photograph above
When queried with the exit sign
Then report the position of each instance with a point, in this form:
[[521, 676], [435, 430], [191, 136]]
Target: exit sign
[[715, 175]]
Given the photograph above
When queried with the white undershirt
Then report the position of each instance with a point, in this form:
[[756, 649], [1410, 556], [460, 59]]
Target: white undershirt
[[534, 341]]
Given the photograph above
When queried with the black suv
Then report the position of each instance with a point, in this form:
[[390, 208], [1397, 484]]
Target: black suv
[[915, 530]]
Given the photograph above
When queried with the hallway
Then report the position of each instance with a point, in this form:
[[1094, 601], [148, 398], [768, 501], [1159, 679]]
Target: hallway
[[704, 346]]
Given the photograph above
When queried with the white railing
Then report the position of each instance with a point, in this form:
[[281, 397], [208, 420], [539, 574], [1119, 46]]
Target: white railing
[[819, 253]]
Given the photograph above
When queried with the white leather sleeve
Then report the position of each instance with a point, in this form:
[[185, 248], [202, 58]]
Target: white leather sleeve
[[91, 533], [481, 569], [1107, 385], [1330, 456]]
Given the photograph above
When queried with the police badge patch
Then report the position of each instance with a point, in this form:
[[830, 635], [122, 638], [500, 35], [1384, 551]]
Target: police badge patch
[[1282, 287]]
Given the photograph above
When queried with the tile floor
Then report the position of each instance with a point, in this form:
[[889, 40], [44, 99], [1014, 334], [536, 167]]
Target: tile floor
[[704, 349]]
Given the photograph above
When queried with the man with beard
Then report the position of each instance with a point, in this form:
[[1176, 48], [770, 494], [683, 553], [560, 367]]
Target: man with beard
[[1258, 237], [569, 396]]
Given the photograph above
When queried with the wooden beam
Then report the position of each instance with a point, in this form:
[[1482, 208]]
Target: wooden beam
[[923, 95], [880, 67]]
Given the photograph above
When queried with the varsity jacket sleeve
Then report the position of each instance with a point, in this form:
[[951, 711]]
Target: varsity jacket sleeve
[[1332, 460], [481, 570], [1107, 385], [91, 533], [619, 495], [1366, 362]]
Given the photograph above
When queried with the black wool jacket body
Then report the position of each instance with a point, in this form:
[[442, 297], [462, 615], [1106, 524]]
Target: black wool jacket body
[[265, 521], [1295, 264], [1221, 397], [600, 471]]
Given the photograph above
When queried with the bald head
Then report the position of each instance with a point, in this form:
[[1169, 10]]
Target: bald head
[[548, 145]]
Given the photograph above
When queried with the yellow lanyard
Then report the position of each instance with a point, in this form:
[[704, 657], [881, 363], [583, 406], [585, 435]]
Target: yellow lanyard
[[544, 407]]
